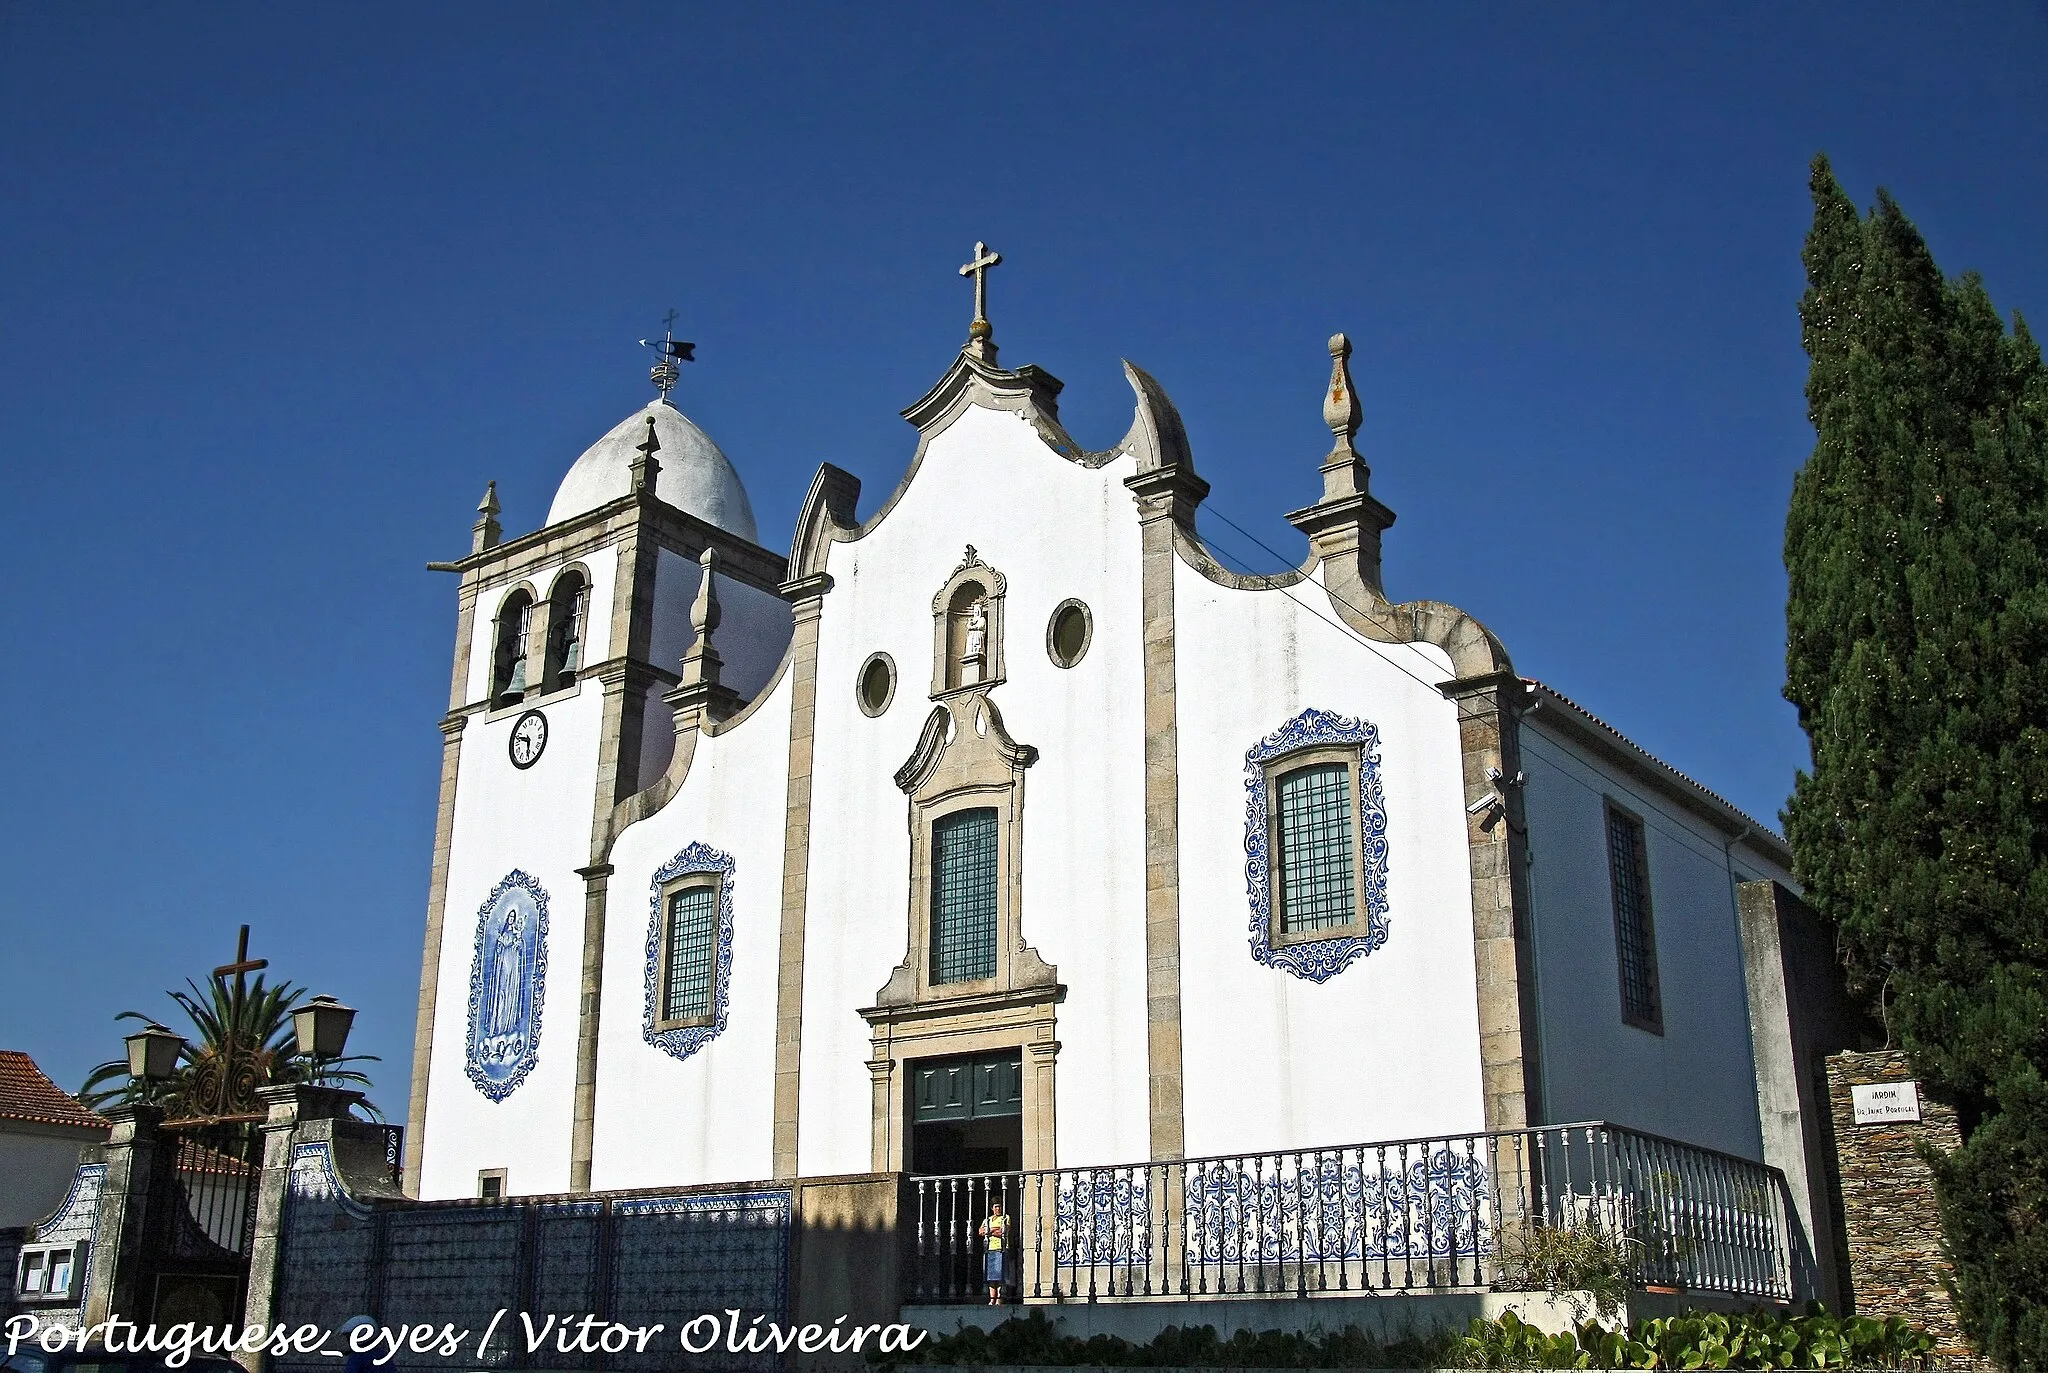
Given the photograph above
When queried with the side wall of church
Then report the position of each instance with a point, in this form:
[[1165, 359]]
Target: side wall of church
[[1388, 1048], [1696, 1081], [1055, 530], [537, 821], [664, 1116]]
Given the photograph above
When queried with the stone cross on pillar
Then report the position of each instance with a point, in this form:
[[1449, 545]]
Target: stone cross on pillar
[[980, 336]]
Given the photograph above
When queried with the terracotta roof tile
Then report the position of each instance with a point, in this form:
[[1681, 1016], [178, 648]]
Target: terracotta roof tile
[[27, 1094]]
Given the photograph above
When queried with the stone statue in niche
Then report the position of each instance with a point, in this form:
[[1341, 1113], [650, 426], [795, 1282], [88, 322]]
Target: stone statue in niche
[[974, 658]]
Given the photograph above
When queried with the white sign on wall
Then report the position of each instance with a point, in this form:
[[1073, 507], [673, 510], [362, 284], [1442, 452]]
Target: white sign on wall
[[1879, 1103]]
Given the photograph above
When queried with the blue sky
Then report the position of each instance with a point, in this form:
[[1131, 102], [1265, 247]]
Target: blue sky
[[281, 287]]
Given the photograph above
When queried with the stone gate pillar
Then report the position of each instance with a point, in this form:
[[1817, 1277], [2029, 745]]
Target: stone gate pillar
[[301, 1113], [1890, 1224], [138, 1182]]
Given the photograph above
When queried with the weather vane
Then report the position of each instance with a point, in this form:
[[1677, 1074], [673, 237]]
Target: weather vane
[[671, 350]]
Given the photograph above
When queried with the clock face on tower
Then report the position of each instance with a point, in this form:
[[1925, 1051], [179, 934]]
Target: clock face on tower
[[529, 737]]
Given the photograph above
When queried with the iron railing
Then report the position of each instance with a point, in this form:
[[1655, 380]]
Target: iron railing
[[1472, 1211]]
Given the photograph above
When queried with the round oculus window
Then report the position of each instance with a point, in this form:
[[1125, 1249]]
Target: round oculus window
[[1068, 633], [876, 685]]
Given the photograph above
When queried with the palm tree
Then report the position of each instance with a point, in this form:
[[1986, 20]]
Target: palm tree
[[244, 1040]]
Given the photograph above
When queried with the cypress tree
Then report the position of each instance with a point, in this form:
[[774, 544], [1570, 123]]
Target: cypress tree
[[1917, 654]]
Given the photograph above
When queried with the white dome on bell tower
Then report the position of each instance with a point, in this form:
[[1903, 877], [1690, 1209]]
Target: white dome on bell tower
[[694, 477]]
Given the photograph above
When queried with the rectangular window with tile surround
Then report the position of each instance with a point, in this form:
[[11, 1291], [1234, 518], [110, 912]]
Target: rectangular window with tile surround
[[964, 876], [1317, 868], [1635, 935], [689, 955]]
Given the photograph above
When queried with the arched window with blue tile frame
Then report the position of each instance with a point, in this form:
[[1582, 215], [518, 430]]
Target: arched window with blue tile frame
[[1316, 845], [689, 951]]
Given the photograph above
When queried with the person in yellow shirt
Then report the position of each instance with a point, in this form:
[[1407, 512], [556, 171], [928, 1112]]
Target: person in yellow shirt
[[995, 1232]]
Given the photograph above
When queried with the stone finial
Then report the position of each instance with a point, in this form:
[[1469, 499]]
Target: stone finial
[[701, 695], [645, 468], [1340, 406], [1344, 526], [705, 614], [486, 532]]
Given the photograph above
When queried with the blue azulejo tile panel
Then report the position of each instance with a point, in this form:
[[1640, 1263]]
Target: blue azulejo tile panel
[[1310, 1209], [638, 1260], [681, 1043], [76, 1218], [326, 1253], [696, 1254], [1316, 960], [507, 985]]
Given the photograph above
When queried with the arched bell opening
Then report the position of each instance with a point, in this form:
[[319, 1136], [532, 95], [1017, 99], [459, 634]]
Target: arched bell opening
[[568, 613], [508, 661]]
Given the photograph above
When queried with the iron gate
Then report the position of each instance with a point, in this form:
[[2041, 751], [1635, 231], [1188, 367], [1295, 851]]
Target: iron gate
[[195, 1264]]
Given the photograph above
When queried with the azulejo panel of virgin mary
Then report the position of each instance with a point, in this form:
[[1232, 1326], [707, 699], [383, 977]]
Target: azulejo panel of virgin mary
[[507, 985]]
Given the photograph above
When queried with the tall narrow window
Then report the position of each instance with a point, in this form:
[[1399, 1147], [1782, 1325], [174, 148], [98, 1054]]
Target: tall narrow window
[[508, 664], [1316, 886], [964, 896], [568, 605], [687, 964], [1635, 939]]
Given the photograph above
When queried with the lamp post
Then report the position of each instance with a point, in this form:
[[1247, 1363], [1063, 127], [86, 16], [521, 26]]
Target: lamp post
[[322, 1026], [153, 1056]]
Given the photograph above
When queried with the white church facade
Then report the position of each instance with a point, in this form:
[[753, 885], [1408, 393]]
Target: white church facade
[[1004, 828]]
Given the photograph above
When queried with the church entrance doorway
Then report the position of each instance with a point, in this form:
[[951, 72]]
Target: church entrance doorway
[[967, 1113]]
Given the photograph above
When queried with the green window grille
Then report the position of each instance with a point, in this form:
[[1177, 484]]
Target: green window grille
[[964, 896], [692, 943], [1634, 938], [1316, 890]]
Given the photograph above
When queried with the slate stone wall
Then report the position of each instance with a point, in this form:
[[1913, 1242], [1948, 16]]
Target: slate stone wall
[[1889, 1219]]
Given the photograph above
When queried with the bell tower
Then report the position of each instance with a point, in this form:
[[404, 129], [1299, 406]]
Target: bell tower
[[569, 642]]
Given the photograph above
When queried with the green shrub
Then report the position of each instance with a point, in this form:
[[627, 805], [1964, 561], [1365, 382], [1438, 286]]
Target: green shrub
[[1034, 1341], [1563, 1260], [1696, 1340], [1754, 1339]]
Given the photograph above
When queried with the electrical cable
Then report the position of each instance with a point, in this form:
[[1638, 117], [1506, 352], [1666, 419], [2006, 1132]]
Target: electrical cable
[[1349, 633], [1282, 559]]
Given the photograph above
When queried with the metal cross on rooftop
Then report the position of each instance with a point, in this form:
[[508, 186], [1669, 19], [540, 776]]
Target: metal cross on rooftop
[[979, 331]]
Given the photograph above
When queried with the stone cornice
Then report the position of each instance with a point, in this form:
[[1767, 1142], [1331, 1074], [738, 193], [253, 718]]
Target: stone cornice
[[973, 1003], [673, 529]]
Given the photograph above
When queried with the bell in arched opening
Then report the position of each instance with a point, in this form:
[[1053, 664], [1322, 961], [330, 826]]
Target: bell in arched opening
[[568, 607], [508, 667]]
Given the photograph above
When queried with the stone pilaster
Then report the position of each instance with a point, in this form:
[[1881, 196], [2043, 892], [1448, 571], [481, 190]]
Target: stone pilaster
[[1889, 1218], [1167, 496], [589, 1000], [1497, 844], [626, 677], [807, 598], [437, 906], [137, 1185]]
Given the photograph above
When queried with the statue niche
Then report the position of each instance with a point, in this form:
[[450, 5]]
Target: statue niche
[[968, 628]]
